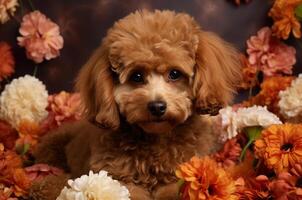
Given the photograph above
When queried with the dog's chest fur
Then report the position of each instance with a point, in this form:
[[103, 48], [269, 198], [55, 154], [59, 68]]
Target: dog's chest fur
[[149, 160]]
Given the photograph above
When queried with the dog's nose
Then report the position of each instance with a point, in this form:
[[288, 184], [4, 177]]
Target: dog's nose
[[157, 108]]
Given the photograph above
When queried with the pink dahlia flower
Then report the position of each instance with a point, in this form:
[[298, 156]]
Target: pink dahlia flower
[[39, 171], [269, 54], [40, 37]]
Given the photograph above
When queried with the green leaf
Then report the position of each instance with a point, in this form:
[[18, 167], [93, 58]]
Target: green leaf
[[298, 12], [180, 184], [253, 133], [25, 149]]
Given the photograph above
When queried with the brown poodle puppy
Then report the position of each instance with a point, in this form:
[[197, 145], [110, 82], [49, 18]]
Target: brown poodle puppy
[[143, 90]]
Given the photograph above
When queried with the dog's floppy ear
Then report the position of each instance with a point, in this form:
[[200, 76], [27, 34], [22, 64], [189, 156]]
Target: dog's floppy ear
[[217, 73], [95, 83]]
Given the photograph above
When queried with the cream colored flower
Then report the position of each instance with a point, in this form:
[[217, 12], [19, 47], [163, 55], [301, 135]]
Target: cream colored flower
[[24, 98], [97, 186], [7, 9], [234, 121], [291, 99]]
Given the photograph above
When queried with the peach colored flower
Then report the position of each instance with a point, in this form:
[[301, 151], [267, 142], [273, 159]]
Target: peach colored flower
[[280, 146], [40, 37], [288, 185], [7, 10], [285, 21], [39, 171], [269, 54], [229, 155], [204, 179], [65, 106], [7, 61]]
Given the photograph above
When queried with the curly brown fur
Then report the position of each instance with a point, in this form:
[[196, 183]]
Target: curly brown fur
[[137, 146]]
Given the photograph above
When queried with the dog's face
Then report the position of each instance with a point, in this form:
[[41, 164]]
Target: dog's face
[[156, 93], [156, 69]]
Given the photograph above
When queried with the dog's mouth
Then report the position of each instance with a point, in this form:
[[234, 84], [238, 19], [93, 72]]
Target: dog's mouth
[[157, 126]]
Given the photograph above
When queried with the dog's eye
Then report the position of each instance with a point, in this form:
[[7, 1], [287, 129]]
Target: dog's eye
[[137, 77], [174, 75]]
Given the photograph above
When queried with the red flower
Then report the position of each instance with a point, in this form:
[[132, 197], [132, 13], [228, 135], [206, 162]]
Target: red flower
[[8, 135], [228, 156]]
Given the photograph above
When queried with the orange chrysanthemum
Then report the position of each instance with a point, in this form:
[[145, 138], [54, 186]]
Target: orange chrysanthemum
[[249, 74], [7, 61], [283, 14], [29, 134], [269, 94], [280, 146], [13, 176], [204, 179]]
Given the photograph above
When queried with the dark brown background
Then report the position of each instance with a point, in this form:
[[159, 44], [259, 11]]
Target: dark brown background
[[84, 22]]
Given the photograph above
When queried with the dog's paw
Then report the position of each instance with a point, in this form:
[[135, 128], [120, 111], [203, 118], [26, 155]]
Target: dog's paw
[[49, 188], [166, 192], [138, 193]]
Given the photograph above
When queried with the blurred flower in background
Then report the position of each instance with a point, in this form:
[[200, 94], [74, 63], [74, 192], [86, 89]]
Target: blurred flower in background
[[285, 21], [249, 74], [270, 55], [7, 9], [40, 37], [238, 2], [7, 61]]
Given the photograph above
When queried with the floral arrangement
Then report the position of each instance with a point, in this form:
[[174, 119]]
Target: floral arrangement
[[261, 154], [262, 136]]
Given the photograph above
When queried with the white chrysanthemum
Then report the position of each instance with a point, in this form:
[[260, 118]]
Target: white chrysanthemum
[[291, 99], [234, 121], [7, 9], [24, 99], [97, 186]]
